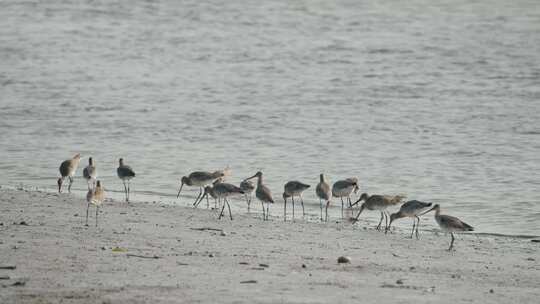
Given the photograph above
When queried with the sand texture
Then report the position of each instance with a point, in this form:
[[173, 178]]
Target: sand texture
[[152, 253]]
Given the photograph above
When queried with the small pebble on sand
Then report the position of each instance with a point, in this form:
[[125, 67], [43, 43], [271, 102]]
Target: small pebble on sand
[[343, 259]]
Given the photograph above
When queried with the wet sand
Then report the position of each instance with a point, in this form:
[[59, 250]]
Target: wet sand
[[148, 252]]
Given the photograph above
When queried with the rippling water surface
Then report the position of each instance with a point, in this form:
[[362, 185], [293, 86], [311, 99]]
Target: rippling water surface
[[439, 100]]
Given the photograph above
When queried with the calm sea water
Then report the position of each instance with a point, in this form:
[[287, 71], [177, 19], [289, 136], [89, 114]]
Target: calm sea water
[[439, 100]]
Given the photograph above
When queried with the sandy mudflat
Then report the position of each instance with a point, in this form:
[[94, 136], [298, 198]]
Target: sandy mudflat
[[58, 259]]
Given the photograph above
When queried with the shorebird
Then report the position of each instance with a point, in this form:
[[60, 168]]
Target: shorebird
[[224, 190], [410, 209], [209, 190], [125, 173], [248, 188], [90, 173], [449, 223], [344, 188], [200, 179], [291, 189], [263, 194], [378, 202], [67, 169], [323, 193], [95, 196]]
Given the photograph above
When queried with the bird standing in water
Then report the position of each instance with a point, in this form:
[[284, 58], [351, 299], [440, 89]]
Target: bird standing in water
[[323, 193]]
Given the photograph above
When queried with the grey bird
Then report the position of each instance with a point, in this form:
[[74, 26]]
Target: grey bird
[[378, 202], [410, 209], [449, 223], [344, 188], [323, 193], [248, 188], [199, 179], [90, 173], [125, 173], [224, 190], [67, 170], [291, 189], [263, 194]]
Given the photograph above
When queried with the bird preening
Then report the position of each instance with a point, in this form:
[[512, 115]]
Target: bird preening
[[213, 184]]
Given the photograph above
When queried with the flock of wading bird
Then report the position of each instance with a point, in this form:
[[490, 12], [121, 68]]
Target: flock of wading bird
[[213, 184]]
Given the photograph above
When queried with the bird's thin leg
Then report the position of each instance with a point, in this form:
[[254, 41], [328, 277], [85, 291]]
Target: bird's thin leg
[[417, 225], [247, 201], [292, 198], [222, 210], [380, 222], [285, 210], [97, 211], [129, 189], [267, 211], [125, 189], [452, 242], [385, 220], [413, 226], [70, 182], [320, 205], [349, 200], [229, 207], [326, 216], [303, 211], [342, 207], [198, 196], [87, 208], [207, 202], [264, 217]]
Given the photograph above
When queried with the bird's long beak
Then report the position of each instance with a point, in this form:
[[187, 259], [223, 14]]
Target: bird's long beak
[[360, 212], [251, 177], [200, 200], [182, 185], [427, 211]]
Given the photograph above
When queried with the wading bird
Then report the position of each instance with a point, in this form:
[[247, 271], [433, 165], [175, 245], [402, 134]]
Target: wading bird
[[291, 189], [323, 193], [410, 209], [224, 190], [248, 188], [378, 202], [125, 173], [344, 188], [199, 179], [67, 170], [90, 173], [449, 223], [263, 194], [95, 197]]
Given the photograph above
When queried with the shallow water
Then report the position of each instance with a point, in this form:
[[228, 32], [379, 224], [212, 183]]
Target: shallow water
[[439, 101]]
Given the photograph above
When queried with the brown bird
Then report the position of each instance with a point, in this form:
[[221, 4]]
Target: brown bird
[[263, 194], [323, 193], [200, 179], [378, 202], [449, 223], [95, 196], [248, 188], [67, 170]]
